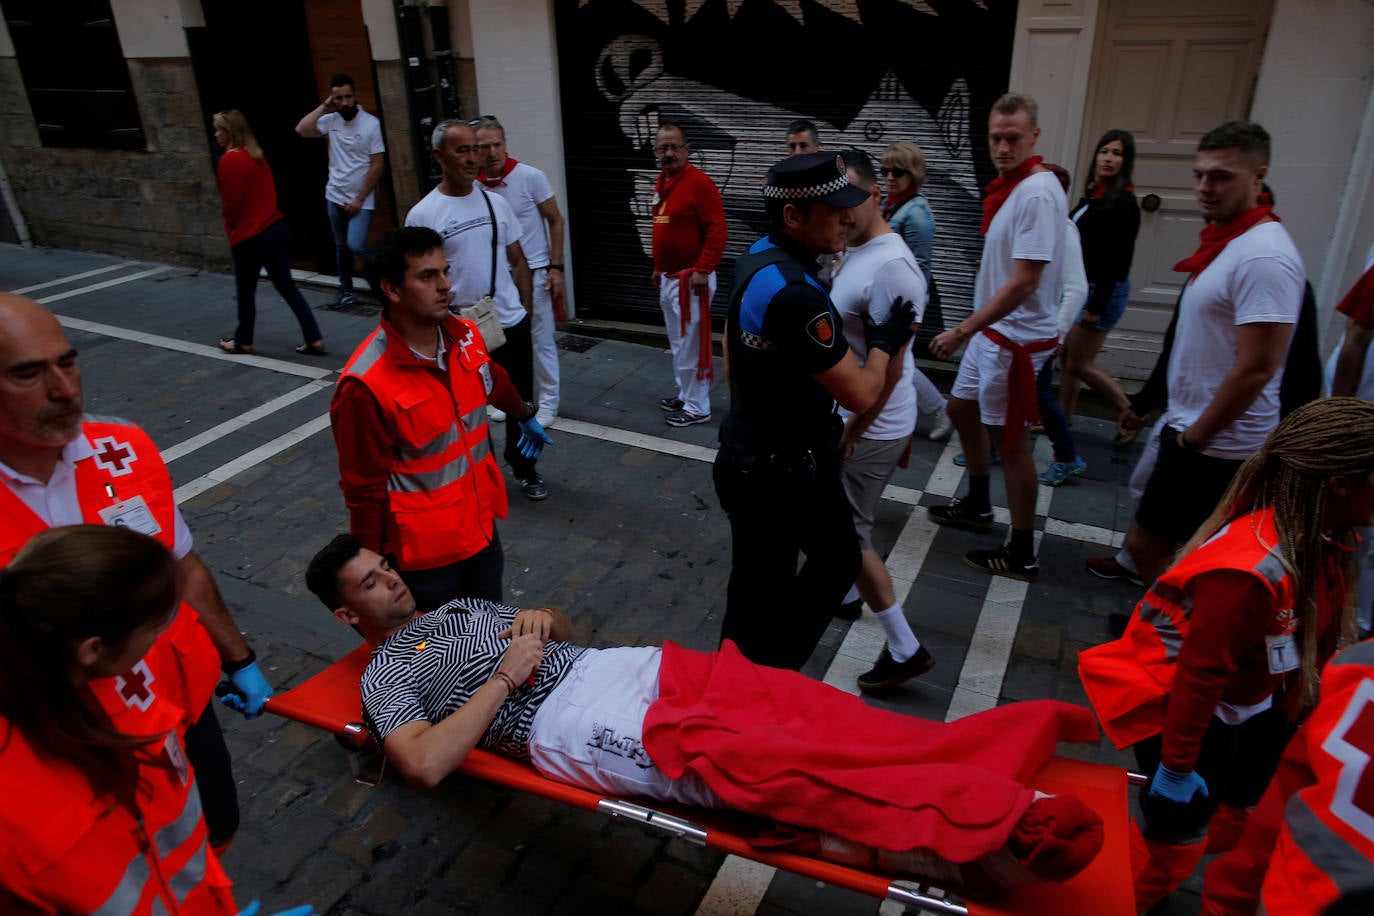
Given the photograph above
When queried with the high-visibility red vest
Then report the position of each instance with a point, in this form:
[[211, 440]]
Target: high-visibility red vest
[[444, 487], [65, 849], [1325, 845], [1128, 680], [126, 465]]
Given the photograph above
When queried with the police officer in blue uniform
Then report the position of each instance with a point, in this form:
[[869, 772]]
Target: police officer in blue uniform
[[777, 473]]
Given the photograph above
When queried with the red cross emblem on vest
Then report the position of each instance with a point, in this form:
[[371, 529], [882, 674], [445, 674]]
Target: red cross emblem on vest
[[113, 456], [135, 687]]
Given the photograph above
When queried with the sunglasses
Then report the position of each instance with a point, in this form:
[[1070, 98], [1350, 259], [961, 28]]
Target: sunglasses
[[893, 171]]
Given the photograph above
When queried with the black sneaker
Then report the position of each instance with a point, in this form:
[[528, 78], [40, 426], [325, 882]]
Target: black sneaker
[[887, 673], [671, 405], [534, 488], [850, 610], [999, 562], [959, 514]]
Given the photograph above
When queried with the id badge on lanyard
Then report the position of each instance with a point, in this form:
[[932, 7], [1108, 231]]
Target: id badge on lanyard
[[133, 514]]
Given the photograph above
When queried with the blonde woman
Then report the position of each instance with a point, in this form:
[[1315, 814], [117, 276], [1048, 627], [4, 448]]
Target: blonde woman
[[257, 234], [908, 213]]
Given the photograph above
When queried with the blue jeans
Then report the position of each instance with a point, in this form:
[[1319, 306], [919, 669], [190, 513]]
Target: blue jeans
[[350, 240], [269, 249], [1052, 416]]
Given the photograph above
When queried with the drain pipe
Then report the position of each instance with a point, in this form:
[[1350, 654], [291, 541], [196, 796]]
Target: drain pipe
[[21, 228]]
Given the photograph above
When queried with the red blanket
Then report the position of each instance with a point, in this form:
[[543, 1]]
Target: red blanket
[[775, 743]]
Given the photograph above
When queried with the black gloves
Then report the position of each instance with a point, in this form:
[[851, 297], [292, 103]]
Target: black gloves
[[892, 334]]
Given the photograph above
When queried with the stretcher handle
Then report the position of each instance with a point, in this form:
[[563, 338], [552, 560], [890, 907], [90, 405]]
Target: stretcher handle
[[911, 894], [1136, 779], [654, 820]]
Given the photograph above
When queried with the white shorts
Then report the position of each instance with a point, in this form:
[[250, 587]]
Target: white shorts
[[589, 732], [984, 373]]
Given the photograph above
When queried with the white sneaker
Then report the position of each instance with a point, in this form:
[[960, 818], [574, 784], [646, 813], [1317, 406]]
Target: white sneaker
[[940, 430], [494, 415], [546, 417]]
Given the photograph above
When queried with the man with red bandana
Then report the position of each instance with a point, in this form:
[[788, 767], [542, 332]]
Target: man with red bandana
[[1012, 331], [688, 241], [1236, 316]]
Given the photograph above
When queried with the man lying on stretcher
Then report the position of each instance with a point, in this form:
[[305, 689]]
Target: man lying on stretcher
[[947, 801]]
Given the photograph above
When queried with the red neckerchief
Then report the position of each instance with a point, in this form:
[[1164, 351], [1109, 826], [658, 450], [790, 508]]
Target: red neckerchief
[[1358, 304], [1216, 236], [999, 189], [895, 199], [1098, 189], [499, 179]]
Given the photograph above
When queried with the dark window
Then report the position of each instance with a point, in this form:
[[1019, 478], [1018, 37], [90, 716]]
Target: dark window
[[75, 73]]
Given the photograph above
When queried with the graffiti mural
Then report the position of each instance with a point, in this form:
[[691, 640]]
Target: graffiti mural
[[733, 73]]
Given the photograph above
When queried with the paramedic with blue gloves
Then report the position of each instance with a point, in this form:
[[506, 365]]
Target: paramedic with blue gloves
[[409, 416], [61, 467]]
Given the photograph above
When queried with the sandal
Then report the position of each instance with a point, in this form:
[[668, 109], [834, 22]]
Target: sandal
[[230, 345], [311, 349]]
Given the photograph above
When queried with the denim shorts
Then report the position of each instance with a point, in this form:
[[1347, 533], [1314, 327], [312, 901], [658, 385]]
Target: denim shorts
[[1116, 305]]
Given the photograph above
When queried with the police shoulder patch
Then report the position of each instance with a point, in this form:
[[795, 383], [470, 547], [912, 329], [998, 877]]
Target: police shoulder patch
[[821, 329]]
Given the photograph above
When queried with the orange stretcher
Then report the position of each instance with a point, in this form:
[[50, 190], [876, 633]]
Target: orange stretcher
[[330, 700]]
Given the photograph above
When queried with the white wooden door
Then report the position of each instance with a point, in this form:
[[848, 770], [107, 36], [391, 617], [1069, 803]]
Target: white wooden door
[[1168, 71]]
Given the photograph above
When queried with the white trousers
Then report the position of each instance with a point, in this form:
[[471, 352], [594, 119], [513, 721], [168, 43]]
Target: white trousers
[[929, 400], [589, 732], [545, 350], [694, 393]]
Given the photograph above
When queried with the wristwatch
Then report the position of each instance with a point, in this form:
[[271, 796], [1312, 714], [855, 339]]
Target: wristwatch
[[557, 267], [959, 331]]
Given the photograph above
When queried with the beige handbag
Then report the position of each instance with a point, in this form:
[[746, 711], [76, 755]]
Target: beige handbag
[[483, 312]]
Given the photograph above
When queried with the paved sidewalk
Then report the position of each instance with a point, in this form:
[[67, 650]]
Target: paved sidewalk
[[631, 543]]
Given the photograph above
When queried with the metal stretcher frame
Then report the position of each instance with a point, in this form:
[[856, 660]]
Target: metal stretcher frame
[[330, 700]]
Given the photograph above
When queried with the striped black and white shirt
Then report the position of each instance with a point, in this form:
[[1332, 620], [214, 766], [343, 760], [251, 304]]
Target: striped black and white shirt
[[430, 668]]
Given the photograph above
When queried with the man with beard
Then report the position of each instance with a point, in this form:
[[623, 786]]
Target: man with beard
[[356, 160], [59, 467]]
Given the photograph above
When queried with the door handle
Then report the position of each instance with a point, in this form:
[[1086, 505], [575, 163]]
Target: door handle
[[1150, 203]]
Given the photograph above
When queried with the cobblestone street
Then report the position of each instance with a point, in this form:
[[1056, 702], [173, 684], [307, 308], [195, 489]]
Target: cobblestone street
[[631, 543]]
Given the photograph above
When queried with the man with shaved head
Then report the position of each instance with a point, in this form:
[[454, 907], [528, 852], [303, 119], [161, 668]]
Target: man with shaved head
[[61, 467]]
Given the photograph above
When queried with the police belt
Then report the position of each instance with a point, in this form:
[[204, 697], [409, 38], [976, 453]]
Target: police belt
[[797, 461]]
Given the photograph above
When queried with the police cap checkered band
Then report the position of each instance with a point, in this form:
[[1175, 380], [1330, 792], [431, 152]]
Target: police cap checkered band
[[813, 176]]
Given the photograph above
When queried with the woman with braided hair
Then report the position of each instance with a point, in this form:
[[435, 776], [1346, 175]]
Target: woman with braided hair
[[1220, 659]]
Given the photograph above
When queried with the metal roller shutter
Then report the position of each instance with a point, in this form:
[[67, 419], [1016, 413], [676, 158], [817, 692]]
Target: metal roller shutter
[[734, 74]]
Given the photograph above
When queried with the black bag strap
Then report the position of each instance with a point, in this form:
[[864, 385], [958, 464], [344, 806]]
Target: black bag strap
[[492, 212]]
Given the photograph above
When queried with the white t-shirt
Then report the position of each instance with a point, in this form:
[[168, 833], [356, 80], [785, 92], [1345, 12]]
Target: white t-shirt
[[525, 188], [56, 502], [1073, 289], [1258, 277], [1028, 227], [351, 146], [465, 225], [867, 280]]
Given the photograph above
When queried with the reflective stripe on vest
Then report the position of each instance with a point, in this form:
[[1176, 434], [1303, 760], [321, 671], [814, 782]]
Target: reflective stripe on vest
[[1156, 613], [126, 895], [1345, 865], [429, 481]]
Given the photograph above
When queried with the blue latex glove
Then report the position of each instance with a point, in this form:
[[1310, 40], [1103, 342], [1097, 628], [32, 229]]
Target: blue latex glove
[[252, 910], [251, 691], [532, 438], [1180, 788]]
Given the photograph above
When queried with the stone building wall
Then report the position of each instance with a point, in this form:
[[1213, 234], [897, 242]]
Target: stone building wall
[[161, 203]]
